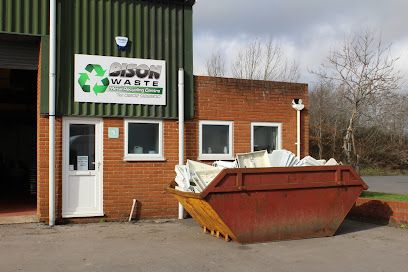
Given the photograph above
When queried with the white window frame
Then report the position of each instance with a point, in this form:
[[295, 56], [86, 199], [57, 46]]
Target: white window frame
[[144, 157], [210, 157], [267, 124]]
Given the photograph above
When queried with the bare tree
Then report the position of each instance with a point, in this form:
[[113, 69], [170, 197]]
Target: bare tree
[[273, 61], [248, 61], [290, 71], [365, 71], [319, 104], [266, 61], [327, 120], [215, 65]]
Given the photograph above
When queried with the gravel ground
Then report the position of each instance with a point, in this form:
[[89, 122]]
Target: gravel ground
[[181, 246]]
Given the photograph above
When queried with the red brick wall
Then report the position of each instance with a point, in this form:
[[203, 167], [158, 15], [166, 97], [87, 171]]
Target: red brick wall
[[144, 181], [390, 212], [42, 167], [122, 180], [246, 101], [241, 101]]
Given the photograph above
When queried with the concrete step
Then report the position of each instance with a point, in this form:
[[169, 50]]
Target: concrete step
[[18, 219]]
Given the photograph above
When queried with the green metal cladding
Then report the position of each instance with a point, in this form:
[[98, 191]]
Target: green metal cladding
[[156, 30], [24, 16]]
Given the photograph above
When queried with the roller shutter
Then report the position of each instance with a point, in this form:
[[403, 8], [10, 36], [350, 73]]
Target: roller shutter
[[18, 54]]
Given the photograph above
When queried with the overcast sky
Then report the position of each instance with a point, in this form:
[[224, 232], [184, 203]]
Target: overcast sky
[[308, 29]]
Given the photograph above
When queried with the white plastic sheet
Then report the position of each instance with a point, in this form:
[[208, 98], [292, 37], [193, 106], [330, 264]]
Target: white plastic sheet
[[196, 176]]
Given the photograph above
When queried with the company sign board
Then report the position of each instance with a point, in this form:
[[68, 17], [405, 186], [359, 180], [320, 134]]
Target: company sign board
[[103, 79]]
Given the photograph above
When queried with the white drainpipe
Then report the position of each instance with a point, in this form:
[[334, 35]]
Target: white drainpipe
[[181, 127], [51, 115], [297, 104]]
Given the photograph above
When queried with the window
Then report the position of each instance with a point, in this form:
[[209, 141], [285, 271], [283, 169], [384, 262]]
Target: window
[[82, 147], [266, 136], [215, 140], [143, 140]]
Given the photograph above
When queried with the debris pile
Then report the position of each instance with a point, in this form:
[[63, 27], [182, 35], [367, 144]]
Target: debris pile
[[283, 158], [255, 159], [195, 176]]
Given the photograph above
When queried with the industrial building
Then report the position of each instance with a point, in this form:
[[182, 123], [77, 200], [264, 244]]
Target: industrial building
[[89, 104]]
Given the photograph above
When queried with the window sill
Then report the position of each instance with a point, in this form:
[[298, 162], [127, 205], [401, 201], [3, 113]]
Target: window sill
[[215, 157], [145, 159]]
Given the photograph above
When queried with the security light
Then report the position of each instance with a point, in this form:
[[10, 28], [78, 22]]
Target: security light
[[121, 42], [297, 104]]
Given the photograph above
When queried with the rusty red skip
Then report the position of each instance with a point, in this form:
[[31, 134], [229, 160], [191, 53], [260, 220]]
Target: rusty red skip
[[266, 204]]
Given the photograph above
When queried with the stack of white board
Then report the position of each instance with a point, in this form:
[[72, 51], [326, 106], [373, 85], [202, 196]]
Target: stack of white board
[[196, 176]]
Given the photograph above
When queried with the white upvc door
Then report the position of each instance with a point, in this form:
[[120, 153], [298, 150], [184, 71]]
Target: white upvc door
[[82, 169]]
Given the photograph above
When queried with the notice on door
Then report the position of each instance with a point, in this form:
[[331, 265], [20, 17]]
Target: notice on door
[[82, 163]]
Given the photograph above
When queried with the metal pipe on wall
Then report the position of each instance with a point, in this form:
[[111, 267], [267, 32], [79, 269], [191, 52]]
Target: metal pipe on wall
[[298, 105], [181, 127], [51, 115], [298, 134]]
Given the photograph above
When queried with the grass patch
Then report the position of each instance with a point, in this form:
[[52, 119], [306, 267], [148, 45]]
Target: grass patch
[[370, 171], [384, 196]]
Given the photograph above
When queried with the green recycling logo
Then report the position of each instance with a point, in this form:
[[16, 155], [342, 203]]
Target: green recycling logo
[[101, 82]]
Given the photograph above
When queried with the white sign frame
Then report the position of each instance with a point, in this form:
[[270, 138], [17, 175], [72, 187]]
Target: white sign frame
[[128, 82]]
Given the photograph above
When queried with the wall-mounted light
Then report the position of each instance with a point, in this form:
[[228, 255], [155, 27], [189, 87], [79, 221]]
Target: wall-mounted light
[[121, 42], [297, 104]]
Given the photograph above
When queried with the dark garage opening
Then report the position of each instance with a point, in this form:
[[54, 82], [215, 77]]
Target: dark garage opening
[[18, 133]]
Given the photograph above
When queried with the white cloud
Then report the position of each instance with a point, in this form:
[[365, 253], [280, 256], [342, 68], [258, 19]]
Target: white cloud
[[307, 29], [400, 50]]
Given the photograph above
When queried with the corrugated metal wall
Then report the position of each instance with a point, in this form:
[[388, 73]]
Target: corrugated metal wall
[[24, 16], [156, 30], [29, 17]]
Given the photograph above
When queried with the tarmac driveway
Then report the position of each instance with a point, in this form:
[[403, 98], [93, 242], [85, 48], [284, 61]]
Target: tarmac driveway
[[181, 246], [387, 184]]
